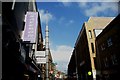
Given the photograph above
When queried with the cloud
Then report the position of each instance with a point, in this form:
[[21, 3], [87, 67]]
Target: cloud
[[82, 4], [66, 4], [62, 55], [45, 16], [72, 0], [87, 0], [61, 20], [93, 9], [66, 22], [69, 22], [62, 65], [64, 0]]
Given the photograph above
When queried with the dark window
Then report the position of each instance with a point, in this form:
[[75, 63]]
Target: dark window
[[103, 47], [109, 42], [114, 59], [90, 34], [92, 46], [106, 62]]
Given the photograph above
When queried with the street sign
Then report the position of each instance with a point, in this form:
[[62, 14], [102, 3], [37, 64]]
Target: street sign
[[40, 53], [41, 60], [94, 73]]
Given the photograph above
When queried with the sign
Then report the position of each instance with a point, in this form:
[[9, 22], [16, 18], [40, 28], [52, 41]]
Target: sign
[[40, 53], [41, 60], [94, 73], [30, 30]]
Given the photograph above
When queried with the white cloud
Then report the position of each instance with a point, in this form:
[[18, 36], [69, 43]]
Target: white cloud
[[62, 55], [82, 4], [62, 65], [45, 16], [64, 0], [61, 20], [67, 4], [94, 8], [87, 0], [73, 0], [69, 22], [66, 22]]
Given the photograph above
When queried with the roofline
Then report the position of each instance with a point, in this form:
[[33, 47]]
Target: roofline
[[80, 33]]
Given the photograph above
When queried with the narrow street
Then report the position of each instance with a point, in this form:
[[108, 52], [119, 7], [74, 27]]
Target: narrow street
[[60, 40]]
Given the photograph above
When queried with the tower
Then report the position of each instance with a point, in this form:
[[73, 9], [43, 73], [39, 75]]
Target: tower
[[47, 47]]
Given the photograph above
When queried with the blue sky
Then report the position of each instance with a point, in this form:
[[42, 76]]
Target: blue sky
[[65, 20]]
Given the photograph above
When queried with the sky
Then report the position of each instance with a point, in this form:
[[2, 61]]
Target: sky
[[65, 20]]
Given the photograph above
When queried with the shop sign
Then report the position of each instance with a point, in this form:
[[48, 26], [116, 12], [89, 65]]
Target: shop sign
[[40, 53], [41, 60], [30, 31]]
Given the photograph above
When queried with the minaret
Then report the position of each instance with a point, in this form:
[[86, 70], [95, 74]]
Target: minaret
[[47, 48]]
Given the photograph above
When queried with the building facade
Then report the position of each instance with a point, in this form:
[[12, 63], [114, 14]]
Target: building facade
[[19, 62], [85, 50], [108, 49], [72, 68]]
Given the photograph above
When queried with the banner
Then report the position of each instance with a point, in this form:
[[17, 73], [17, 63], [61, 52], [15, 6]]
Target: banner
[[30, 31]]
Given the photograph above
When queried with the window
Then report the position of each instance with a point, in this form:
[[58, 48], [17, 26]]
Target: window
[[106, 62], [103, 47], [97, 32], [90, 34], [92, 46], [109, 42], [114, 59]]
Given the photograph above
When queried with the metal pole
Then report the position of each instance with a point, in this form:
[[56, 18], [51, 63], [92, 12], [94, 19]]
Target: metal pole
[[47, 50]]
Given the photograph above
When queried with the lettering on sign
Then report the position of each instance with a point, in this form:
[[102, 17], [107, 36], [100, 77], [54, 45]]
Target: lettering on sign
[[31, 24]]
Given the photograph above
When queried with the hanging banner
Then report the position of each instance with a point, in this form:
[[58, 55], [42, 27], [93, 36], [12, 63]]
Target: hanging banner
[[30, 31]]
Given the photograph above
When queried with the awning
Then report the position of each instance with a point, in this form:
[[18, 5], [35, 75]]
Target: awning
[[32, 66], [31, 69]]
